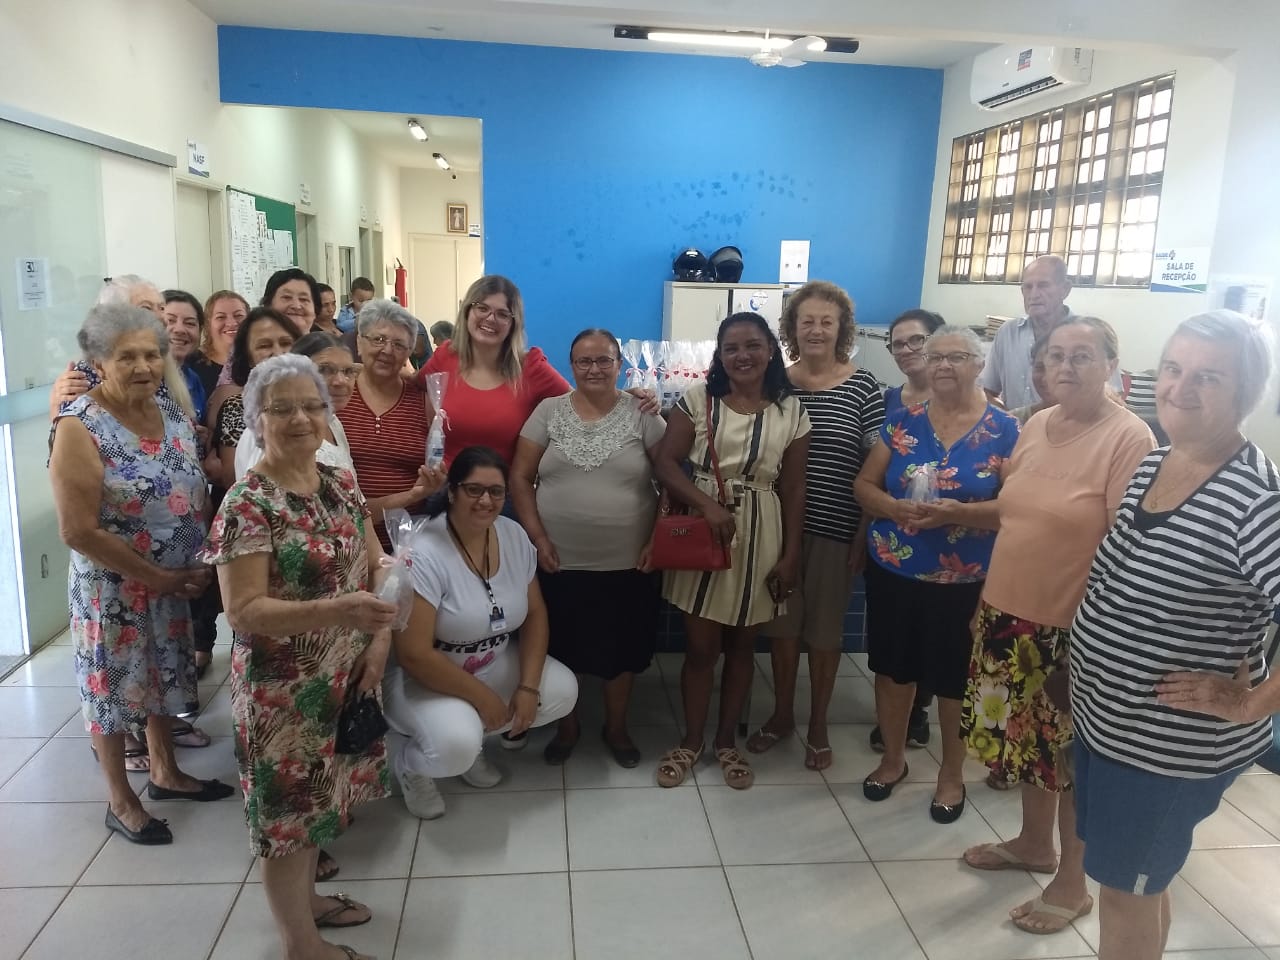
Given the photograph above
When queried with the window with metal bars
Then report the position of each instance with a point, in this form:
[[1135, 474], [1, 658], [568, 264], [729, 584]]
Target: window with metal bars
[[1081, 181]]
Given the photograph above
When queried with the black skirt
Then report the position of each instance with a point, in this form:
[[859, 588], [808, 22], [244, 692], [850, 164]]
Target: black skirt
[[603, 623]]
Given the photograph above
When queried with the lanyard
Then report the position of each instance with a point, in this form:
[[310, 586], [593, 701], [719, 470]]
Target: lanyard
[[493, 602]]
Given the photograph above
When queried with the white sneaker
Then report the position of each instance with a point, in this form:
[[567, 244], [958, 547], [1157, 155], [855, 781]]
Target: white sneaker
[[509, 742], [482, 774], [421, 795]]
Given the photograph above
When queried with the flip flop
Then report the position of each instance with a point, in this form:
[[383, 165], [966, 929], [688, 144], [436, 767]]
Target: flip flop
[[351, 952], [762, 741], [1063, 916], [1005, 860], [323, 873], [813, 756], [345, 903]]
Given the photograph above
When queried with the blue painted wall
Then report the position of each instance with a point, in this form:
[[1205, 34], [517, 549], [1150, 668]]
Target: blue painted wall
[[599, 165]]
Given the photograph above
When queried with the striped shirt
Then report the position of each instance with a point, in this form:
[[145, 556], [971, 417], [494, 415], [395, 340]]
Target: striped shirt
[[845, 420], [1192, 589], [387, 450]]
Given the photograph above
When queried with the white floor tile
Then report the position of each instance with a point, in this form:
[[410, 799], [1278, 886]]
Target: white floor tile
[[852, 758], [379, 845], [74, 728], [50, 667], [827, 911], [859, 660], [1241, 885], [783, 763], [14, 752], [1243, 953], [215, 716], [779, 824], [639, 914], [36, 711], [166, 923], [210, 845], [1259, 799], [958, 913], [1229, 827], [49, 844], [1196, 924], [521, 769], [485, 833], [621, 829], [250, 933], [22, 914], [900, 828], [464, 918], [1273, 953], [1002, 809], [592, 764], [214, 762], [62, 770]]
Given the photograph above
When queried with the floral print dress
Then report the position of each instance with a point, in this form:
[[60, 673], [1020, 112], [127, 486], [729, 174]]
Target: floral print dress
[[287, 692], [134, 654]]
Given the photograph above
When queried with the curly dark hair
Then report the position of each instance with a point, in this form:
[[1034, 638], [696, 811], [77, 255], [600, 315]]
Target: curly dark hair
[[822, 290], [240, 362], [776, 383]]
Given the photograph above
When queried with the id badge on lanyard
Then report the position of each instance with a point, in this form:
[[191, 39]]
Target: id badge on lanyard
[[497, 620]]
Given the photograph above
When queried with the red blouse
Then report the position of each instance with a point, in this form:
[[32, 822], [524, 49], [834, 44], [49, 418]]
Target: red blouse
[[494, 417]]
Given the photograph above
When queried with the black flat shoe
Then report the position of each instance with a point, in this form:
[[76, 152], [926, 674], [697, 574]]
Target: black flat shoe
[[209, 790], [155, 834], [625, 757], [948, 812], [877, 791], [558, 751]]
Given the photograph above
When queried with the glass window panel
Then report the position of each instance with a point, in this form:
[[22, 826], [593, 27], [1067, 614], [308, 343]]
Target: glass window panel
[[1084, 174], [1077, 215], [1086, 265], [1086, 147], [1102, 144], [1155, 160], [1051, 180], [1132, 209], [1095, 214], [1144, 106], [1089, 116], [1057, 129], [1160, 130], [1074, 245], [1106, 264], [1091, 238], [1104, 117], [1073, 265], [1054, 152], [1137, 163], [1128, 236], [1099, 170], [1140, 134], [1037, 182], [1044, 243], [1147, 236], [1150, 207], [1163, 100]]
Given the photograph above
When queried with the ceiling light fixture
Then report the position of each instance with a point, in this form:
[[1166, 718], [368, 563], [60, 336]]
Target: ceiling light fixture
[[733, 39], [416, 131], [441, 162]]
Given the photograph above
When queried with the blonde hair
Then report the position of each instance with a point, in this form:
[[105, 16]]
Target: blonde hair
[[511, 356]]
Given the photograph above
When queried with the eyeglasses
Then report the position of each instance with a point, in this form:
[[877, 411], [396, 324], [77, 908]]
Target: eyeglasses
[[381, 340], [477, 490], [328, 370], [282, 409], [911, 343], [484, 312], [1056, 358], [955, 359], [586, 363]]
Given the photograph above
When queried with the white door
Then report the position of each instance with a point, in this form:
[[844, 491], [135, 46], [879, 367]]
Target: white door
[[470, 265], [379, 268], [433, 278], [195, 253], [308, 252]]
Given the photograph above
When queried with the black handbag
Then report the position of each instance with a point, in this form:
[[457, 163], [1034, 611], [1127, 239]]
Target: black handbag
[[360, 724]]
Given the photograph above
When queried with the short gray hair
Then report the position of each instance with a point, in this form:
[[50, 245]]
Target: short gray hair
[[107, 323], [952, 330], [375, 312], [266, 375], [120, 289], [1251, 340]]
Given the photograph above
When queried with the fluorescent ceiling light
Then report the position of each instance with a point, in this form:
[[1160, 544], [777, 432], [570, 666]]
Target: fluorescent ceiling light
[[739, 40], [416, 131], [441, 162], [816, 45]]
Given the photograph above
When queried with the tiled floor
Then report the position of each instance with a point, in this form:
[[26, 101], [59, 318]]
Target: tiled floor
[[589, 861]]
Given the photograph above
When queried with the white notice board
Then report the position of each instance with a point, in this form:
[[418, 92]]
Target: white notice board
[[262, 241]]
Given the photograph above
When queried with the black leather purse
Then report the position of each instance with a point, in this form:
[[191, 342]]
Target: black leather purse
[[361, 723]]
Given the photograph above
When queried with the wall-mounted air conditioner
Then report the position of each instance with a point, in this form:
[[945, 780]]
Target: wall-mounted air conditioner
[[1010, 74]]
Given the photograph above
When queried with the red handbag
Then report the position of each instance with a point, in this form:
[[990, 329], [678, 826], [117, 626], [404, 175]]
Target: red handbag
[[684, 541]]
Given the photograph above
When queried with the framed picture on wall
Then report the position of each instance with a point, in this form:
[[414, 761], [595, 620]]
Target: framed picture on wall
[[455, 218]]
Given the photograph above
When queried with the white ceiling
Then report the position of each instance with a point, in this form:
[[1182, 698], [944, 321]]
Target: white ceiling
[[458, 138]]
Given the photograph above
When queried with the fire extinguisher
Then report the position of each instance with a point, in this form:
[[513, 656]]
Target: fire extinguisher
[[402, 284]]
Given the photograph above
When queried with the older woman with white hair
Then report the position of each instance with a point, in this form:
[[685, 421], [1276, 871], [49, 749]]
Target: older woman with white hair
[[295, 558], [130, 497], [930, 488], [1186, 578], [386, 420]]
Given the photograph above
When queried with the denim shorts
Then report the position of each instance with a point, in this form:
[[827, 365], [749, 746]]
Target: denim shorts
[[1137, 825]]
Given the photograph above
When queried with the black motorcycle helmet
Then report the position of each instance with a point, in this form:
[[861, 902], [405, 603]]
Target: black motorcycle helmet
[[726, 265], [690, 265]]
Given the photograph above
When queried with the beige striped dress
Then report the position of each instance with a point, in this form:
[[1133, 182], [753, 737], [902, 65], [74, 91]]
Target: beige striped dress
[[750, 447]]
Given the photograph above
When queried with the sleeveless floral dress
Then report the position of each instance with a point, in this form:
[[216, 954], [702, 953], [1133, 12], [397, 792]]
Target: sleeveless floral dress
[[134, 654]]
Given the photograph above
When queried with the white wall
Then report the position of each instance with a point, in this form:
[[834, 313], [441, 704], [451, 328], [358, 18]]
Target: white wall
[[424, 194], [1194, 167], [146, 71]]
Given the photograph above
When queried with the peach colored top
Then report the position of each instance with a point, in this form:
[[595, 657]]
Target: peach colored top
[[1056, 506]]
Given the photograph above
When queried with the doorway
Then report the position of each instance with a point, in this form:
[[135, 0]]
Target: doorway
[[346, 261], [366, 260], [308, 252], [197, 221], [440, 270]]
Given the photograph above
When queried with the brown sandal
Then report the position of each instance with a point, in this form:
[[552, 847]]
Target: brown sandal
[[330, 917], [675, 765], [737, 773]]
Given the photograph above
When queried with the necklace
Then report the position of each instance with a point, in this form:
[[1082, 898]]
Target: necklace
[[1169, 490], [497, 619]]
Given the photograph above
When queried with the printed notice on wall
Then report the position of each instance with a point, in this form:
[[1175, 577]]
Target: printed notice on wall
[[1243, 294], [33, 283], [1180, 270]]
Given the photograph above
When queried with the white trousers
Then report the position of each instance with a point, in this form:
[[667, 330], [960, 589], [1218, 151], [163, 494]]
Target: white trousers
[[444, 734]]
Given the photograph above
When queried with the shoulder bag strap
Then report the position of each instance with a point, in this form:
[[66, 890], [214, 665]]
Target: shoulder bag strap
[[715, 460]]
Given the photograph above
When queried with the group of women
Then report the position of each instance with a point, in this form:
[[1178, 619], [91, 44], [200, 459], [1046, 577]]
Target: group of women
[[1002, 550]]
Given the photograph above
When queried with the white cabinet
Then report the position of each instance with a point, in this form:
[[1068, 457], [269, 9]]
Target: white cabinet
[[693, 311]]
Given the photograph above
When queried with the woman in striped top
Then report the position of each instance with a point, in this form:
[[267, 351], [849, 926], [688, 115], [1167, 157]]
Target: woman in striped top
[[845, 410], [1186, 579]]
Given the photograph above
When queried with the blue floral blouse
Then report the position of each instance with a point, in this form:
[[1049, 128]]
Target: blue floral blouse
[[969, 472]]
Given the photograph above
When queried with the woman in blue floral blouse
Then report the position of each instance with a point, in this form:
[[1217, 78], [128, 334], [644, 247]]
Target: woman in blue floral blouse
[[930, 487]]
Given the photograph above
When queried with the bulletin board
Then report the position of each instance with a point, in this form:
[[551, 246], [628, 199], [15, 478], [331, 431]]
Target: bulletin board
[[264, 239]]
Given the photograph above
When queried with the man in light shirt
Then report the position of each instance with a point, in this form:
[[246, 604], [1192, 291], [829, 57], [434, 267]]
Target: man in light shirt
[[1007, 374], [361, 293]]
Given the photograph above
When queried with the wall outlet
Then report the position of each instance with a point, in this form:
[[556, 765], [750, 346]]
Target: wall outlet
[[44, 566]]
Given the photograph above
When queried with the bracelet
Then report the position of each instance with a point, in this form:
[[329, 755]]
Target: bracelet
[[527, 689]]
